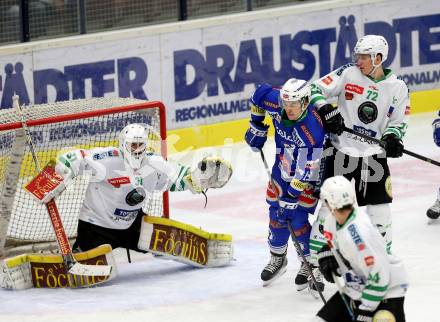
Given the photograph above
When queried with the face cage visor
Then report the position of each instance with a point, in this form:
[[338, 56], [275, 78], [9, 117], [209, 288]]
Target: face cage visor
[[136, 149], [303, 102], [355, 57]]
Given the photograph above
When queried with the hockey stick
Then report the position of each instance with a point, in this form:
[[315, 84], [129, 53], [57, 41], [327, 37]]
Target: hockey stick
[[341, 293], [343, 267], [377, 141], [292, 233], [72, 266]]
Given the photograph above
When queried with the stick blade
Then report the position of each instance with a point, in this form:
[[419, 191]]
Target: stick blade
[[90, 270]]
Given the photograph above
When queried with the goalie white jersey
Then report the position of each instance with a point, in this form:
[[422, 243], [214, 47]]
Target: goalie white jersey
[[372, 107], [116, 193], [369, 273]]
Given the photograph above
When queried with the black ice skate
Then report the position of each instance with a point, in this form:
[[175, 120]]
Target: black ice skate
[[319, 287], [302, 277], [434, 211], [275, 268]]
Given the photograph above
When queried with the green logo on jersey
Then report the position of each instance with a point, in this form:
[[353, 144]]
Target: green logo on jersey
[[374, 278], [367, 112]]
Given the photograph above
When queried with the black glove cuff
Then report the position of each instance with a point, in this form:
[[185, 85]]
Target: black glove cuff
[[324, 254]]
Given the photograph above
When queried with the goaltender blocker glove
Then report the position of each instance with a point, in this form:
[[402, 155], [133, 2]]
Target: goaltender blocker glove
[[256, 135], [363, 315], [331, 118], [287, 208], [436, 128], [211, 172], [327, 263], [392, 145]]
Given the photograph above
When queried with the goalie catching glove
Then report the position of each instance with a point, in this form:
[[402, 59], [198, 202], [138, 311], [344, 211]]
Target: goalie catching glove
[[211, 172]]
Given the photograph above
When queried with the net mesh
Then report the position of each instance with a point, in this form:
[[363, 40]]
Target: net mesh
[[98, 124]]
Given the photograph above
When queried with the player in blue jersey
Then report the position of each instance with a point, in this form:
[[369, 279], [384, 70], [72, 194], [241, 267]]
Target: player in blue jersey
[[434, 211], [299, 139]]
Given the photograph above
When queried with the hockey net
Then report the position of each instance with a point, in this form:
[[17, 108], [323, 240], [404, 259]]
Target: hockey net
[[56, 128]]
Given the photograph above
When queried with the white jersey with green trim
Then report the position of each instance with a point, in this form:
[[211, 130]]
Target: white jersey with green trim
[[369, 272], [111, 200], [372, 107]]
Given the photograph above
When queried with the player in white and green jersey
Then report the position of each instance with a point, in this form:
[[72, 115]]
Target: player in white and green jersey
[[371, 100], [375, 282]]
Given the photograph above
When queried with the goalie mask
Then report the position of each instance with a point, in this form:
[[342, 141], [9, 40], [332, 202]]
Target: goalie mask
[[338, 192], [133, 144], [295, 92]]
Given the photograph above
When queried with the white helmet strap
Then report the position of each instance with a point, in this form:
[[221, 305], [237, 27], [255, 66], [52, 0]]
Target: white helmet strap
[[373, 62]]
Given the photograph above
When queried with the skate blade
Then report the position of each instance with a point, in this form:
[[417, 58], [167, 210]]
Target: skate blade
[[275, 277], [301, 287], [314, 293], [306, 289]]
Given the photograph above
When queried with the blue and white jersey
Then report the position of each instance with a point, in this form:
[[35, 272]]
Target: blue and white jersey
[[299, 144]]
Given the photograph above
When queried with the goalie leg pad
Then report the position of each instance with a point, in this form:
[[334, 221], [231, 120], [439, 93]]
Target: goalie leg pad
[[48, 270], [185, 243]]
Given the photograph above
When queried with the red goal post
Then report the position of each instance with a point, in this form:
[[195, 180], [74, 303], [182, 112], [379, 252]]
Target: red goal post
[[56, 128]]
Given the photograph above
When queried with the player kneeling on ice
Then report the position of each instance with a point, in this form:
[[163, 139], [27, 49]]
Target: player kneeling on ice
[[299, 139], [375, 282], [434, 211], [121, 181]]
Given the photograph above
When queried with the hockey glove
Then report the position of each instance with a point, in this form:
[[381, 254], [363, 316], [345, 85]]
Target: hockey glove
[[286, 210], [363, 315], [392, 145], [211, 172], [256, 135], [327, 263], [331, 118], [436, 128]]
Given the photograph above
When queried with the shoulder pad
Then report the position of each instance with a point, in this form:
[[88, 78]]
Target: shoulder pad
[[344, 67], [260, 93]]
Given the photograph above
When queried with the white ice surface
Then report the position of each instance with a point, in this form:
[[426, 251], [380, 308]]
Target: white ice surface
[[151, 289]]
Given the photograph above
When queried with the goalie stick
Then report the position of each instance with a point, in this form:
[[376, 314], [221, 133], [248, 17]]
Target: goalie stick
[[377, 141], [292, 233], [72, 266]]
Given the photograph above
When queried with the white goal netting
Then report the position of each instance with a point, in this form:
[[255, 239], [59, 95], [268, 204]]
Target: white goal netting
[[56, 128]]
